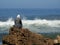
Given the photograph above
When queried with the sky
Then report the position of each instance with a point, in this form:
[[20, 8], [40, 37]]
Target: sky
[[29, 3]]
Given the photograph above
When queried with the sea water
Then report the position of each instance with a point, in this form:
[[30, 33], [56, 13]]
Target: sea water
[[42, 21]]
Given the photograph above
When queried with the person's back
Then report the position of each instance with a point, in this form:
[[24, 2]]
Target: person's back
[[18, 22]]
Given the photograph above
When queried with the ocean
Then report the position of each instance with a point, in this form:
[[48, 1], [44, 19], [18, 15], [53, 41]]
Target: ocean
[[42, 21]]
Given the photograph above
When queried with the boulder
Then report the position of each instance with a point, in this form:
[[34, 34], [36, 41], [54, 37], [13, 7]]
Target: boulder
[[23, 36]]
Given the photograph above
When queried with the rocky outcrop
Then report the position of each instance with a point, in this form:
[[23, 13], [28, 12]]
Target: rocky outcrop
[[25, 37]]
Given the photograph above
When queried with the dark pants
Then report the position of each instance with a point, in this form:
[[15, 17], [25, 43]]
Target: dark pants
[[18, 25]]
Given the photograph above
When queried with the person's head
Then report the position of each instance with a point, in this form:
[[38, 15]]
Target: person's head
[[18, 16]]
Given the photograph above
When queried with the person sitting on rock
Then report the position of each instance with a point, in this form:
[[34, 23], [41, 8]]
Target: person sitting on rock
[[18, 22]]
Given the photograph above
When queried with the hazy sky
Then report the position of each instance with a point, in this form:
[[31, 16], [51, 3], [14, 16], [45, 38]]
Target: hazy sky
[[29, 3]]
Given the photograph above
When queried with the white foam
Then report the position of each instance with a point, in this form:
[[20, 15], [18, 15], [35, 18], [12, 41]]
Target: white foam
[[7, 23], [51, 23], [36, 25]]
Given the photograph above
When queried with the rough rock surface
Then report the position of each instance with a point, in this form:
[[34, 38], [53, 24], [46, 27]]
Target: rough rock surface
[[25, 37]]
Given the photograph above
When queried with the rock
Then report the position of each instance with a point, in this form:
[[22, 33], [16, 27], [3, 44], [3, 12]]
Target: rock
[[57, 40], [25, 37]]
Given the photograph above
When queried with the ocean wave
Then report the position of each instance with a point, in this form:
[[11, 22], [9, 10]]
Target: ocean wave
[[36, 25], [9, 22], [51, 23]]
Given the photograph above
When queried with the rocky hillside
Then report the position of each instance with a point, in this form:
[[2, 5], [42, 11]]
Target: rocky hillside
[[25, 37]]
